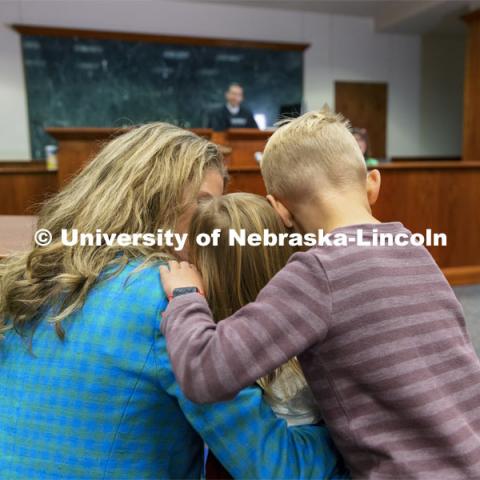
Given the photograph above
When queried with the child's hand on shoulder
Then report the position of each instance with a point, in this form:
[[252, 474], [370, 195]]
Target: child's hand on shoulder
[[180, 275]]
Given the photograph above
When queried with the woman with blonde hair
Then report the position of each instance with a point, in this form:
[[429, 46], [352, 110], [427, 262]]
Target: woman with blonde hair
[[86, 386]]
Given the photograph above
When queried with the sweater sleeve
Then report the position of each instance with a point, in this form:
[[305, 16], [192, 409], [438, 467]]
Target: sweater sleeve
[[213, 362]]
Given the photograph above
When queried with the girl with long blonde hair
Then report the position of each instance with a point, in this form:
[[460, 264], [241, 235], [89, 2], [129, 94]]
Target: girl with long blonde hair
[[233, 276], [86, 385]]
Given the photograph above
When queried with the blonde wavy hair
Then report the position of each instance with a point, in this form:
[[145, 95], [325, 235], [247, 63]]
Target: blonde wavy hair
[[141, 181], [234, 275]]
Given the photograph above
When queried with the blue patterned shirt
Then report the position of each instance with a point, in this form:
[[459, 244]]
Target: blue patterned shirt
[[104, 402]]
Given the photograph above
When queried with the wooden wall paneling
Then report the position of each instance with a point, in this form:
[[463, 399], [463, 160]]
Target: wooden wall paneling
[[73, 156], [248, 179], [78, 145], [443, 197], [23, 189], [244, 143], [462, 275]]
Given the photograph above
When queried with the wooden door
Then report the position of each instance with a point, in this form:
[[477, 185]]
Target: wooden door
[[365, 105]]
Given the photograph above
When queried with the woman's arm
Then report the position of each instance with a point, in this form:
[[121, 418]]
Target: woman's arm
[[213, 362], [247, 437]]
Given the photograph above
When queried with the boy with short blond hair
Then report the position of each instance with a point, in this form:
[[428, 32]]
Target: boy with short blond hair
[[317, 147], [377, 329]]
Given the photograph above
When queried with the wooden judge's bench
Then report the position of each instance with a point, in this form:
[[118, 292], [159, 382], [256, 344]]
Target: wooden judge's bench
[[439, 195], [77, 146]]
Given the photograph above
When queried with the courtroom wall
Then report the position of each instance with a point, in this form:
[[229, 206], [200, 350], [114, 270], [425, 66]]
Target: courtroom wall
[[342, 48], [441, 115]]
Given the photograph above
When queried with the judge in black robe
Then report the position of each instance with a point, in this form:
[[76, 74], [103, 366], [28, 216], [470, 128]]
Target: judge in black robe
[[232, 114]]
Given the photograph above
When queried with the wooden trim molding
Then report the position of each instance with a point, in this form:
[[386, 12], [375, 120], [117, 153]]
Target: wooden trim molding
[[30, 169], [29, 166], [102, 133], [85, 133], [462, 275], [247, 133], [426, 159], [431, 165], [145, 37]]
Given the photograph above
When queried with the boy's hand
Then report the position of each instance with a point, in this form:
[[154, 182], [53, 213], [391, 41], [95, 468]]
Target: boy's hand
[[179, 275]]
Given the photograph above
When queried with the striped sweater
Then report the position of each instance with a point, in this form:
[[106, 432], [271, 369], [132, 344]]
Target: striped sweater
[[383, 345]]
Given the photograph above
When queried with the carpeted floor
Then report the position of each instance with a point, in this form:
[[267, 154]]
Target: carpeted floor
[[469, 297]]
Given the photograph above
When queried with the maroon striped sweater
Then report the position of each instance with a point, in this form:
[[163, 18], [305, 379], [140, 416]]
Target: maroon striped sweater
[[382, 341]]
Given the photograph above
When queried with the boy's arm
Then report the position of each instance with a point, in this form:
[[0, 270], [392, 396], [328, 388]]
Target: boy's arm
[[213, 362], [247, 437]]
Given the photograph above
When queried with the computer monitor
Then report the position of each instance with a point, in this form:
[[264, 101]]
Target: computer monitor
[[290, 111]]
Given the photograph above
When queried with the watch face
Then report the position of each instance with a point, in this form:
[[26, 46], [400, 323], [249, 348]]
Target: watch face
[[184, 290]]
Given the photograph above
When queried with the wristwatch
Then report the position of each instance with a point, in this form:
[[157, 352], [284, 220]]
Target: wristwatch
[[183, 291]]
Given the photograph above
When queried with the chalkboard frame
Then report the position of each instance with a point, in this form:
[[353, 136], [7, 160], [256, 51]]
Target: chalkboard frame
[[147, 37], [36, 133]]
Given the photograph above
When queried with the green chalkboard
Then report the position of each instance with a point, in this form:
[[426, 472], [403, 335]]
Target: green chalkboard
[[90, 82]]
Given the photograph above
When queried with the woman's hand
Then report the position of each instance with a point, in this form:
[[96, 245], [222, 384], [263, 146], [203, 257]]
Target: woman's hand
[[180, 275]]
